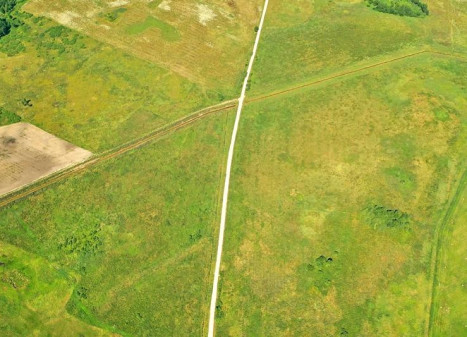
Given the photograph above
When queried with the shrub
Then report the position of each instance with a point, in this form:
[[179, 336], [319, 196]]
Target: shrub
[[414, 8], [5, 27], [381, 217]]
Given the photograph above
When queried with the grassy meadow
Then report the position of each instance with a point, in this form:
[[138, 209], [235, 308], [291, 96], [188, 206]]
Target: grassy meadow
[[336, 195], [305, 40], [86, 92], [339, 190], [124, 248], [206, 42]]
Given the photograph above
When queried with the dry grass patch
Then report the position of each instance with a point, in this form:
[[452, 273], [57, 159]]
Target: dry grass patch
[[206, 42]]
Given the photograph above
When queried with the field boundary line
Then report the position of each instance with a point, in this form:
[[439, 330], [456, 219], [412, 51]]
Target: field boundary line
[[452, 55], [212, 310], [46, 181], [350, 72], [332, 77], [438, 240]]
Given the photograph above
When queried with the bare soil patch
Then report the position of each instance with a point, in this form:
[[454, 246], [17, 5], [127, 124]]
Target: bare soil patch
[[28, 153]]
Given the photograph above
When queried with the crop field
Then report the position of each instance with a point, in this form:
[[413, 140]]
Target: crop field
[[336, 195], [124, 248], [27, 153], [206, 42]]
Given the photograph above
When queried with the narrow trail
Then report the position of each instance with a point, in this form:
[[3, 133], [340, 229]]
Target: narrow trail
[[241, 100], [118, 151], [354, 71], [338, 75], [438, 242]]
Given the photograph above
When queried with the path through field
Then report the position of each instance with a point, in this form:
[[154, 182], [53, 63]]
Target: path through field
[[212, 310]]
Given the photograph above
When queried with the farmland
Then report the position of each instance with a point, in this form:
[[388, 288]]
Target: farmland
[[347, 206], [27, 154]]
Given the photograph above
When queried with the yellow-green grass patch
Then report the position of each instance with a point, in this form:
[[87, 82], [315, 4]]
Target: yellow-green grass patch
[[89, 93], [336, 194], [137, 234], [206, 42], [305, 40]]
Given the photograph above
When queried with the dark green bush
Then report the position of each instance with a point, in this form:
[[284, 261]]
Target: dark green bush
[[414, 8], [5, 27], [380, 217]]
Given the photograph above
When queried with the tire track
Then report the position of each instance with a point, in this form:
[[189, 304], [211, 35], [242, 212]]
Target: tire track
[[47, 181], [326, 79], [438, 241], [108, 155], [350, 72]]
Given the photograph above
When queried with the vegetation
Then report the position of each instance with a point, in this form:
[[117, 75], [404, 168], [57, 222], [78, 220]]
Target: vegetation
[[172, 36], [124, 248], [8, 20], [115, 14], [86, 92], [337, 190], [449, 311], [328, 37], [382, 217], [168, 32], [4, 27], [8, 117], [414, 8]]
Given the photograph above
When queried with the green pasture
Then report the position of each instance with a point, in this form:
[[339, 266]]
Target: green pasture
[[303, 41], [449, 313], [124, 248], [336, 194]]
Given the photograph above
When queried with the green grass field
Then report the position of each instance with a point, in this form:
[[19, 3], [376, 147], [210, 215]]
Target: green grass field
[[87, 92], [167, 31], [304, 41], [125, 247], [337, 193], [345, 213]]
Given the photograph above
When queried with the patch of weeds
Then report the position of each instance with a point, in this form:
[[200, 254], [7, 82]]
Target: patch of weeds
[[443, 113], [15, 279], [58, 40], [115, 14], [82, 292], [196, 236], [380, 217], [8, 117], [321, 270], [87, 243], [403, 180]]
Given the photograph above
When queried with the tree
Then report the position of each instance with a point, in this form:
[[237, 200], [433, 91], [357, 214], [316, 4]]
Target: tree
[[7, 6], [4, 27]]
